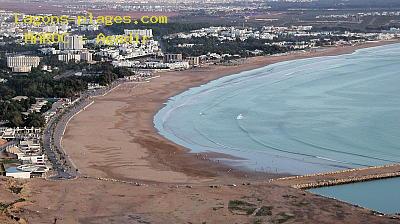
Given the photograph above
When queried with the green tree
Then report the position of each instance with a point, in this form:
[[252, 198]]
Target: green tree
[[34, 120], [15, 119]]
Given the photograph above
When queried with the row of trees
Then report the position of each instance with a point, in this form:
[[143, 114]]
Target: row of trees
[[40, 84], [43, 85], [11, 111], [204, 45], [158, 29]]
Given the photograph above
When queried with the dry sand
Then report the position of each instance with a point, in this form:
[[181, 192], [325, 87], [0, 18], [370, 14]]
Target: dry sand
[[90, 201], [115, 138]]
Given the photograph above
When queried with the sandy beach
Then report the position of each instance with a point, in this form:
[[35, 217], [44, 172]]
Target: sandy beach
[[115, 137]]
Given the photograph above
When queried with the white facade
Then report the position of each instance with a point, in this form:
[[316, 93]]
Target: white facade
[[12, 133], [72, 43], [50, 29], [92, 86], [21, 175], [125, 63], [86, 56], [38, 159], [140, 33], [68, 57], [22, 63], [171, 58], [179, 65], [29, 146], [193, 61]]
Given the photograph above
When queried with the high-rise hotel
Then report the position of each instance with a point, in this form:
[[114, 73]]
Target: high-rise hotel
[[74, 42]]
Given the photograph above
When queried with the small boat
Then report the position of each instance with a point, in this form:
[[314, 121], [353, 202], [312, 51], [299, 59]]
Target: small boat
[[239, 117]]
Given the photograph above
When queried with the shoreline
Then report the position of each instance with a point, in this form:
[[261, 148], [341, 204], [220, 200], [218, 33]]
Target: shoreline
[[160, 160], [115, 142]]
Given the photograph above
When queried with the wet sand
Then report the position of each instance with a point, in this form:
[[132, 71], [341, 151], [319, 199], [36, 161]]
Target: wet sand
[[115, 136]]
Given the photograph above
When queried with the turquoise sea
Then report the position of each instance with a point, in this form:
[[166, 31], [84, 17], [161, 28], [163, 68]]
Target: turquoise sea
[[303, 116], [380, 195], [300, 117]]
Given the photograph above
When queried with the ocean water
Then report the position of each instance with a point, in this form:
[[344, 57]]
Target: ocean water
[[302, 116], [380, 195]]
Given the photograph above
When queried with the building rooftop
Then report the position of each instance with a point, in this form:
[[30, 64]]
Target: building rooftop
[[19, 98], [2, 141]]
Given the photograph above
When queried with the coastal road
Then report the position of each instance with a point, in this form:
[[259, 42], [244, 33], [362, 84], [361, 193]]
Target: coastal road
[[54, 131]]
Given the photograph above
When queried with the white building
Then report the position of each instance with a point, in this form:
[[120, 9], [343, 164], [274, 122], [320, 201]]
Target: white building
[[50, 29], [49, 50], [74, 42], [29, 146], [86, 56], [141, 33], [125, 63], [12, 133], [171, 58], [111, 53], [18, 174], [193, 61], [178, 65], [35, 159], [22, 63], [93, 86], [68, 57]]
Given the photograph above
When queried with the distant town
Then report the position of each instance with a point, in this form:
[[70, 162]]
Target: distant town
[[42, 84], [199, 111]]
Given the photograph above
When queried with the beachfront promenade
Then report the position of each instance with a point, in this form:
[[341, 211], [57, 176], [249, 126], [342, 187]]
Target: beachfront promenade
[[55, 129], [340, 177]]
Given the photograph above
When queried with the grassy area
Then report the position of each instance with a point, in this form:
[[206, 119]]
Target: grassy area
[[283, 217], [257, 221], [3, 206], [265, 211], [15, 189], [241, 207]]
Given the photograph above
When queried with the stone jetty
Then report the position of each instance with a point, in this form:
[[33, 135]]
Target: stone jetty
[[340, 177]]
